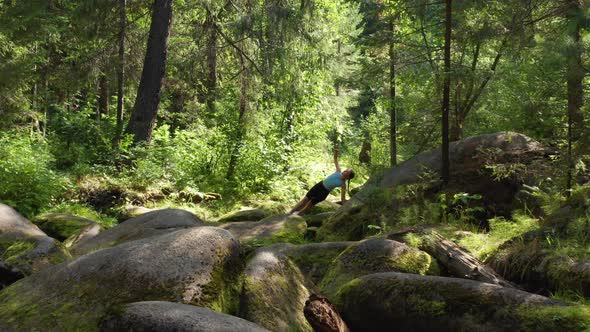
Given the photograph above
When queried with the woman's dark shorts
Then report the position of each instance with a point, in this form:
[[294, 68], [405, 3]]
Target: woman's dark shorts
[[317, 193]]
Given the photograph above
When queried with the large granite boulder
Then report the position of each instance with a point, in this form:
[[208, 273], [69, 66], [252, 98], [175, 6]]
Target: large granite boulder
[[273, 229], [411, 302], [197, 266], [143, 226], [312, 259], [244, 215], [488, 165], [68, 228], [167, 316], [274, 292], [373, 256], [24, 248]]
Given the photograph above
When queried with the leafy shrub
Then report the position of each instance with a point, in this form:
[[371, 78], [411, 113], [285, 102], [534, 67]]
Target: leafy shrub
[[26, 179]]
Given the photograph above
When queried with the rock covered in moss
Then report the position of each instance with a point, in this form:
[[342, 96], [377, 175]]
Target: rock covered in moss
[[195, 266], [412, 302], [316, 220], [477, 163], [312, 259], [24, 248], [62, 226], [324, 207], [244, 215], [143, 226], [168, 316], [273, 229], [541, 270], [274, 292], [134, 211], [372, 256]]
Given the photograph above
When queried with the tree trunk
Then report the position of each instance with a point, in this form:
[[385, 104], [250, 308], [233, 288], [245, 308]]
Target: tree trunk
[[446, 95], [322, 315], [211, 81], [575, 89], [458, 262], [240, 130], [121, 70], [392, 108], [365, 154], [145, 110], [103, 96]]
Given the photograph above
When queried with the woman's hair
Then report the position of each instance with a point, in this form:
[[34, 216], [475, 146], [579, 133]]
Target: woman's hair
[[351, 176]]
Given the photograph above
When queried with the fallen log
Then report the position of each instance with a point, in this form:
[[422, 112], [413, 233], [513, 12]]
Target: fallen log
[[322, 316], [458, 262]]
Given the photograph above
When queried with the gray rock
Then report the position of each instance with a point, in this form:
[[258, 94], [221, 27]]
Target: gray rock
[[274, 292], [412, 302], [134, 211], [313, 259], [316, 220], [83, 234], [274, 229], [244, 215], [167, 316], [196, 266], [373, 256], [61, 226], [143, 226], [24, 248], [469, 174]]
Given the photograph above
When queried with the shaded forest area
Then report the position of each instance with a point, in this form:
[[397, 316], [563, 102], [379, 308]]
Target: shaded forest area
[[465, 121]]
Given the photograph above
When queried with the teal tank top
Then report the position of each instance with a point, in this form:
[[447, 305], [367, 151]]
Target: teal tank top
[[333, 181]]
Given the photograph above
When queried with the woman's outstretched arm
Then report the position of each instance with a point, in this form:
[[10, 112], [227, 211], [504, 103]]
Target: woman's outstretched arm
[[336, 152]]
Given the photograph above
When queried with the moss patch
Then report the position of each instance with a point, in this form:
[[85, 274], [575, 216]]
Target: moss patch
[[13, 250], [570, 318], [274, 295], [382, 256]]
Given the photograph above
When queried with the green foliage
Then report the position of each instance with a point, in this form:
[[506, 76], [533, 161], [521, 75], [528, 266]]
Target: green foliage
[[27, 180]]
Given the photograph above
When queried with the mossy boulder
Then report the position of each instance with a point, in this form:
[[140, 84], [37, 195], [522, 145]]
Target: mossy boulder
[[312, 259], [197, 266], [168, 316], [541, 270], [274, 292], [273, 229], [134, 211], [412, 302], [316, 220], [323, 207], [62, 226], [244, 215], [24, 248], [146, 225], [489, 165], [372, 256]]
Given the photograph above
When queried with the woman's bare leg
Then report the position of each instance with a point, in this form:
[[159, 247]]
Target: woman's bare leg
[[300, 205], [306, 208]]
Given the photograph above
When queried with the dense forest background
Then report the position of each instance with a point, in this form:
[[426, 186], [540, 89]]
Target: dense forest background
[[248, 98]]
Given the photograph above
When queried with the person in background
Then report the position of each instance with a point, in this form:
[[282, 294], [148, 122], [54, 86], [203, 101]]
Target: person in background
[[320, 191]]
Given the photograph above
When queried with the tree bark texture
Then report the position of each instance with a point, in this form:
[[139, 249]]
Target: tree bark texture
[[575, 88], [446, 94], [103, 96], [145, 110], [322, 316], [392, 108], [458, 262], [241, 126], [211, 80], [121, 69]]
